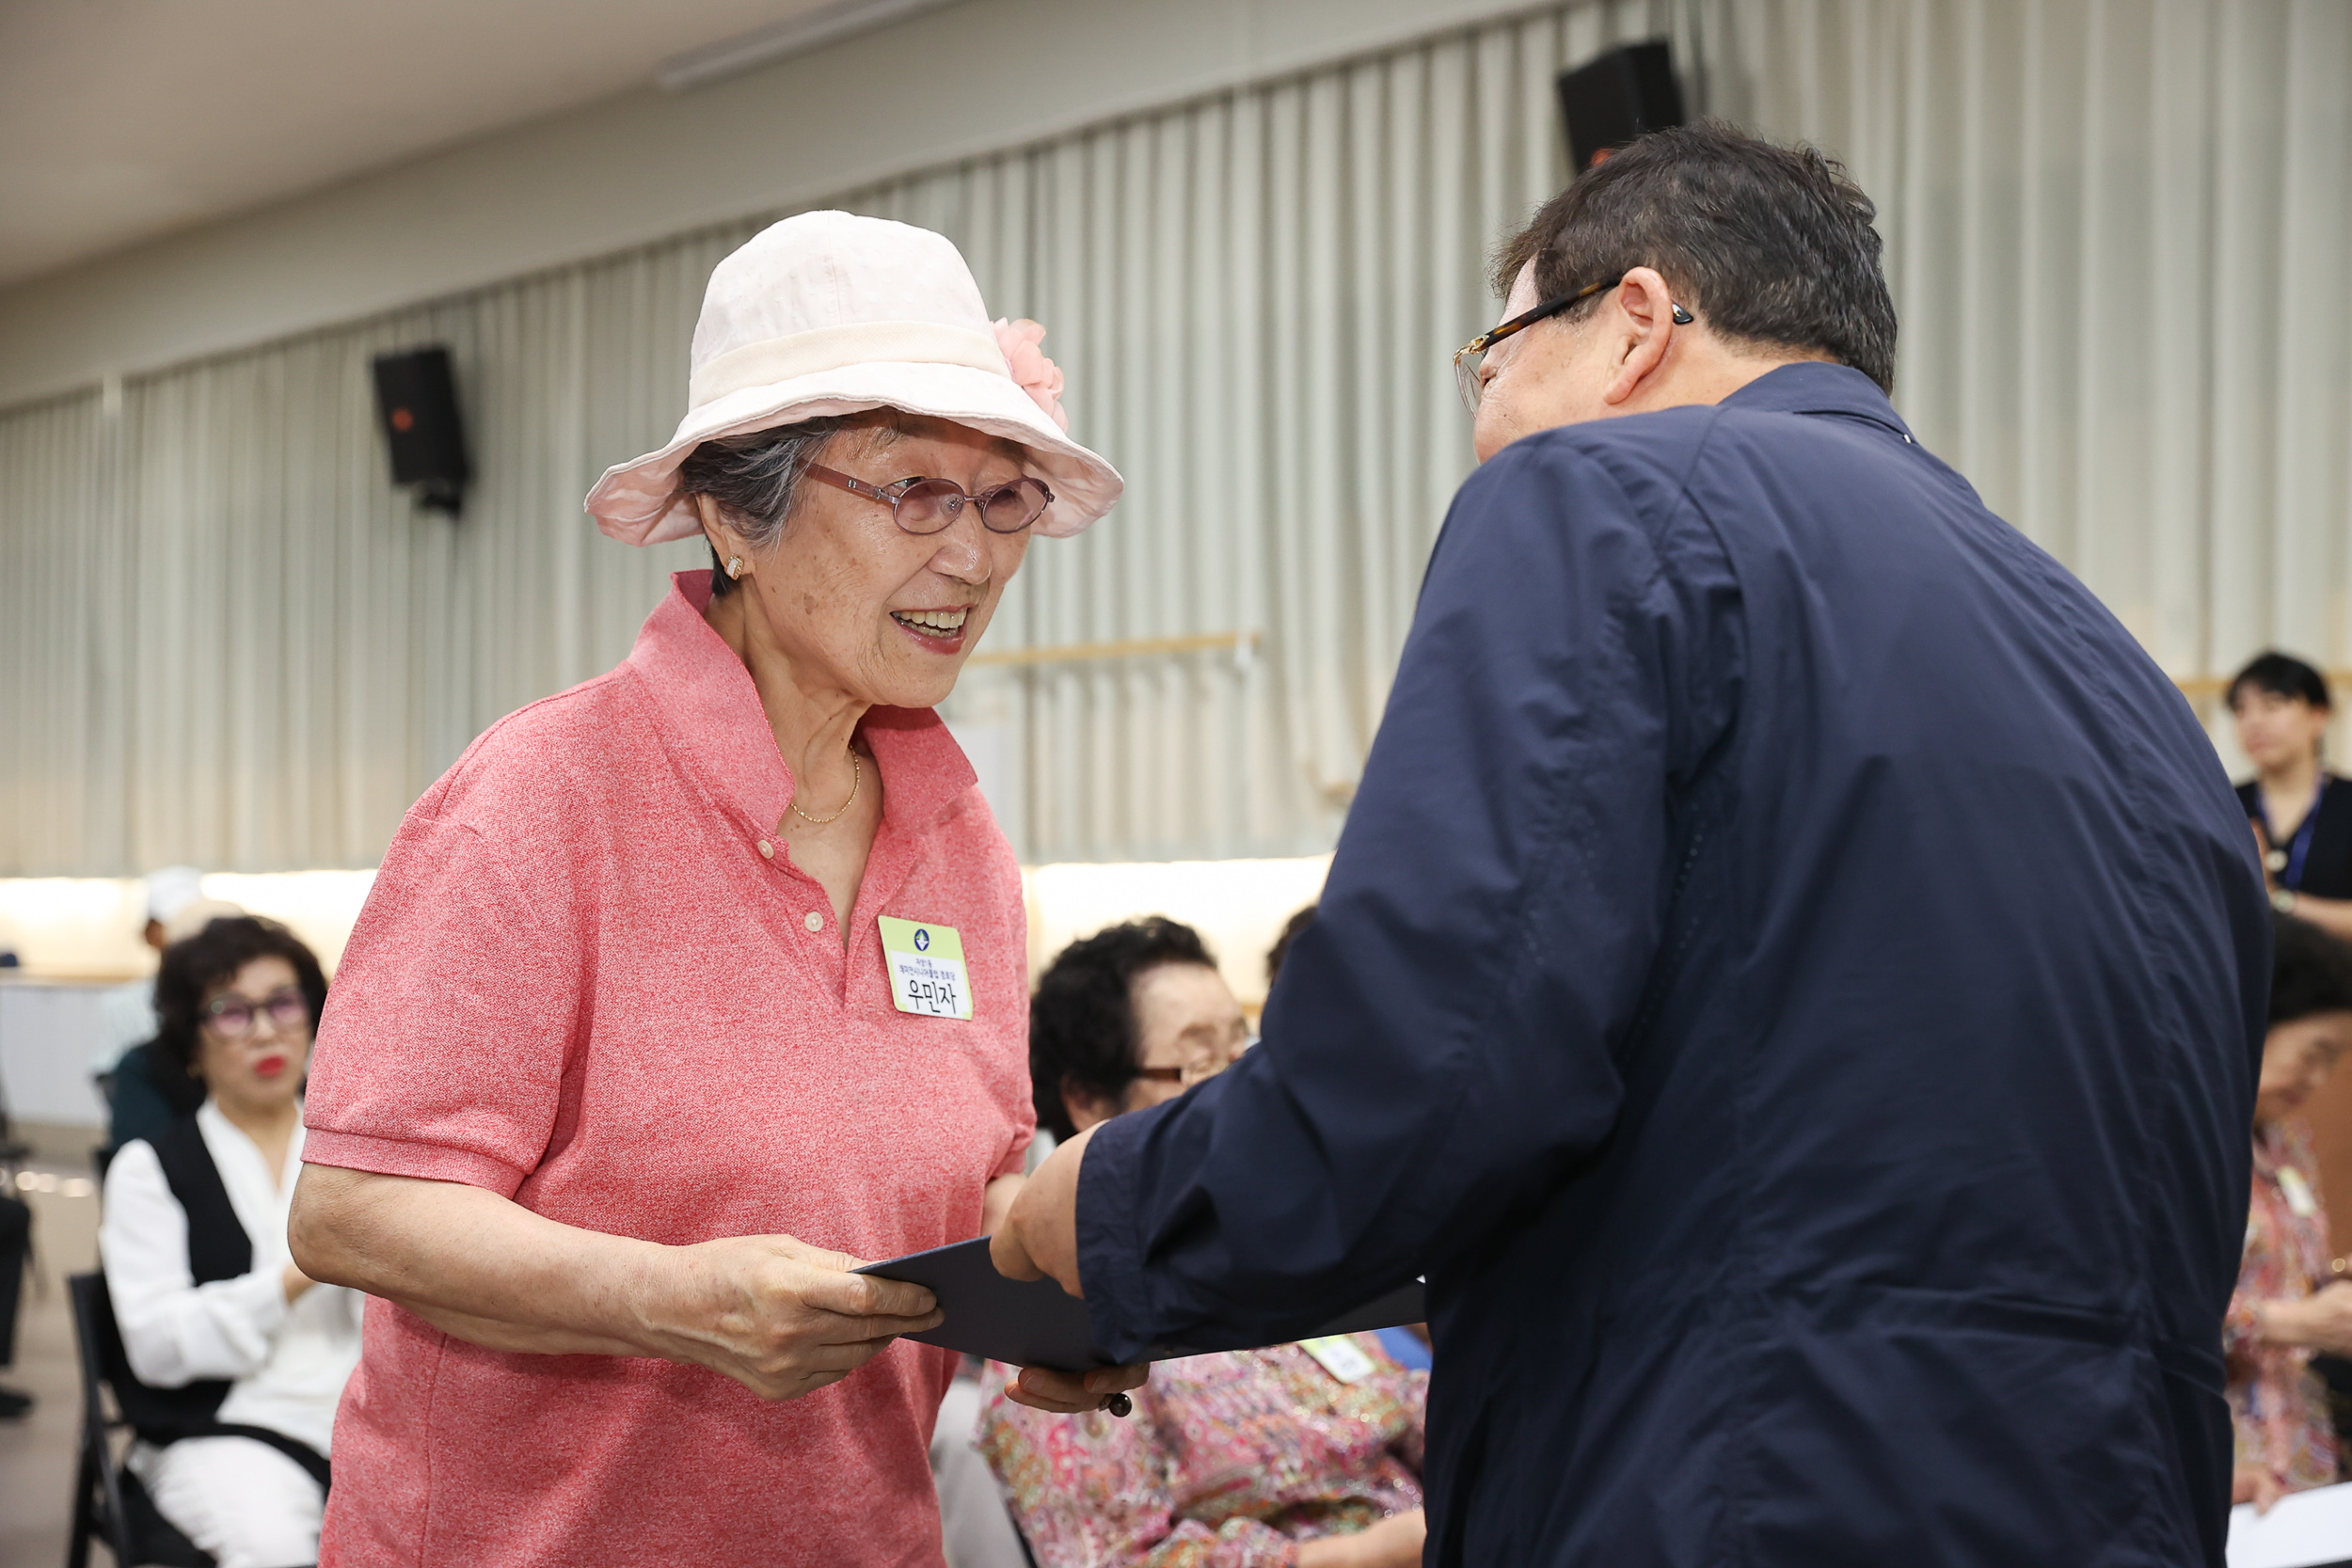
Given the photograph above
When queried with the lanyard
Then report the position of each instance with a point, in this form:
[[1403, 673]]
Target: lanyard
[[2291, 877]]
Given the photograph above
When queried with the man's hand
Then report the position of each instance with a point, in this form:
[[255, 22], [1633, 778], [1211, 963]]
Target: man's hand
[[1039, 1238], [1067, 1393], [1395, 1542], [2321, 1321], [2256, 1484], [1000, 1198]]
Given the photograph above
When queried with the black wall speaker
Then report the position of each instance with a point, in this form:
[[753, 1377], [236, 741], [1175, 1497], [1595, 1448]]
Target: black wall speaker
[[1617, 97], [416, 399]]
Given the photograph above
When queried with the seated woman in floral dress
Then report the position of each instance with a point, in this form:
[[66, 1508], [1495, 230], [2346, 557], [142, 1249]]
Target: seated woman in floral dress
[[1300, 1454], [2290, 1304]]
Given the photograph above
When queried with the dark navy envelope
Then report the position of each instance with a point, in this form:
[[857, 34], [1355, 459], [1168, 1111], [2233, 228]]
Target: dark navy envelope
[[1035, 1323]]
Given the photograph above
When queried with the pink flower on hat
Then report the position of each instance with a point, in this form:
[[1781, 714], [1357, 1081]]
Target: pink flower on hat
[[1038, 375]]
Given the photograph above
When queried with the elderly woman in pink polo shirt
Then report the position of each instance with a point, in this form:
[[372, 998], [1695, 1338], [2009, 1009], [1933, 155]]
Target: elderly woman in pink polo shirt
[[633, 1056]]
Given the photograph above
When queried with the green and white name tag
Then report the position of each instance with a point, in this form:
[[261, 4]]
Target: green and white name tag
[[2298, 1192], [926, 973], [1341, 1355]]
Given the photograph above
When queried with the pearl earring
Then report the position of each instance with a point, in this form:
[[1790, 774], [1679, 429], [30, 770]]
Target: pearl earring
[[735, 566]]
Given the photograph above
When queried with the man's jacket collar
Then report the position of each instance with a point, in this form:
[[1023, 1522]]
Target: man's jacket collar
[[1812, 387]]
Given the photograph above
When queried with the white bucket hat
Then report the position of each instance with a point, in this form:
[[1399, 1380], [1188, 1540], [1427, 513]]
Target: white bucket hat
[[830, 313]]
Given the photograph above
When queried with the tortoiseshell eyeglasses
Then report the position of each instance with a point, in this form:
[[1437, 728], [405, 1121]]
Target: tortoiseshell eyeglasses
[[1471, 357]]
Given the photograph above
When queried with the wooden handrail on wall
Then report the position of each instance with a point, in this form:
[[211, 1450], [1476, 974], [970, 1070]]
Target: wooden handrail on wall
[[1241, 642]]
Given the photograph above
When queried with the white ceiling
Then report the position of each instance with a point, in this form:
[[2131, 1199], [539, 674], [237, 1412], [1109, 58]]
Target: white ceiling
[[121, 119]]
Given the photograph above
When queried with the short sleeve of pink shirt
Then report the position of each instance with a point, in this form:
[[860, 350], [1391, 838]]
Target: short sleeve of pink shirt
[[590, 978]]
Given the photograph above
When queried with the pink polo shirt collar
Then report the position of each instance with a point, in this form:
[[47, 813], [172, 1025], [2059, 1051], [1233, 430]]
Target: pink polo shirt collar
[[707, 709]]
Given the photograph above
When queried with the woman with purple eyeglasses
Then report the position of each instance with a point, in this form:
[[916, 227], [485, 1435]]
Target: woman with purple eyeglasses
[[244, 1357]]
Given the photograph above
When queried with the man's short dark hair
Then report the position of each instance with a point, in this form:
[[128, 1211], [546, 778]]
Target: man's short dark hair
[[2310, 971], [1770, 244], [211, 957], [2281, 676], [1082, 1020]]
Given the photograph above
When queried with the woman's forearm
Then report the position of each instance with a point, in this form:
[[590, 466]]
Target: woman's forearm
[[491, 1333], [477, 1265], [779, 1317]]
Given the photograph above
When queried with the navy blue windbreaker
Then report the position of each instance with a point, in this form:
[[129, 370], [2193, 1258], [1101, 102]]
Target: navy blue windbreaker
[[1792, 979]]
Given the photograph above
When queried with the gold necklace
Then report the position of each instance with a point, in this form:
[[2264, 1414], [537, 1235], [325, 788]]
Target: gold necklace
[[857, 776]]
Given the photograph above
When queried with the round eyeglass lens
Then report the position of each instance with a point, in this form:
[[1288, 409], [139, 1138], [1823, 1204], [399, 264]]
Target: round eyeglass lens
[[1010, 508], [928, 505]]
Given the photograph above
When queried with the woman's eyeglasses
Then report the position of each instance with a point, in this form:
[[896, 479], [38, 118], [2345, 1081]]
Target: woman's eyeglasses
[[1202, 1066], [1185, 1076], [232, 1016], [928, 505], [1472, 355]]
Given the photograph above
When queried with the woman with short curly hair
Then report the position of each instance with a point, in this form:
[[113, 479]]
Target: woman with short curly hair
[[1308, 1455], [246, 1355]]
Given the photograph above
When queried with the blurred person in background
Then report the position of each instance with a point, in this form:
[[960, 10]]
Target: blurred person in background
[[2293, 1302], [1303, 1454], [2301, 816], [685, 991], [126, 1013], [1298, 922], [145, 1092], [192, 1242], [1132, 1016]]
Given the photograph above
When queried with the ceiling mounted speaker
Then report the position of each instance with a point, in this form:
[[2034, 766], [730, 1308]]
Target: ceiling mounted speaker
[[1621, 95], [416, 399]]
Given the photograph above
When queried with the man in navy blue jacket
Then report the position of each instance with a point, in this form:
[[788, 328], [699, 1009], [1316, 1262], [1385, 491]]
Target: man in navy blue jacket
[[1792, 979]]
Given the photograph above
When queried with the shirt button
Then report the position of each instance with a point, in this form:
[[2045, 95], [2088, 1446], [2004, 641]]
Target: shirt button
[[815, 921], [767, 850]]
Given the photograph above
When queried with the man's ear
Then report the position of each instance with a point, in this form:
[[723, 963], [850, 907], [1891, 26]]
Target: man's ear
[[1645, 312]]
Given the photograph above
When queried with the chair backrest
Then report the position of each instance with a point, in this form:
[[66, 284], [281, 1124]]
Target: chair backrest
[[109, 1503], [90, 1309], [16, 1245], [158, 1414]]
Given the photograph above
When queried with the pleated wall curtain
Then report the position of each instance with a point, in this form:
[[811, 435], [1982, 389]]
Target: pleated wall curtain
[[2115, 234]]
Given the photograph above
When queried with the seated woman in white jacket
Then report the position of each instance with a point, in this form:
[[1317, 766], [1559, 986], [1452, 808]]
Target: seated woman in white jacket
[[194, 1245]]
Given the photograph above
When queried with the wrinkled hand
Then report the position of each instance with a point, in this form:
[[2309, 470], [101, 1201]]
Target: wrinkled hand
[[1037, 1239], [2328, 1318], [2256, 1484], [1395, 1542], [779, 1317], [1068, 1393], [2321, 1321]]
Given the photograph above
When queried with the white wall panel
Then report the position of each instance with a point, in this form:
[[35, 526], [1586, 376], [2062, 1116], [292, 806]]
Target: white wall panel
[[2116, 234]]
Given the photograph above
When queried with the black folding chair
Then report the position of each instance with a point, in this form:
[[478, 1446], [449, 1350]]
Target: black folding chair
[[109, 1503]]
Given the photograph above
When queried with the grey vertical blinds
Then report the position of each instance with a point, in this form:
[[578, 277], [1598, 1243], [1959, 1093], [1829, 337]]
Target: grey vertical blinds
[[2116, 235]]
